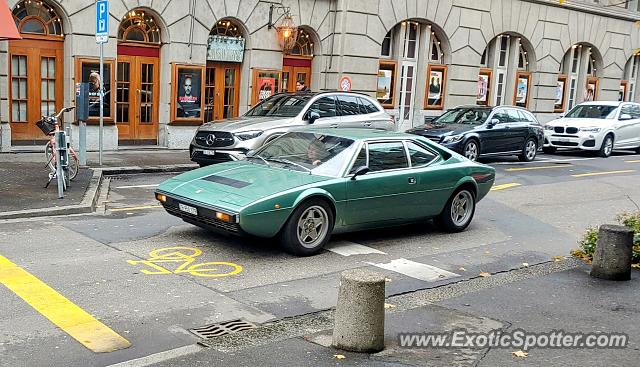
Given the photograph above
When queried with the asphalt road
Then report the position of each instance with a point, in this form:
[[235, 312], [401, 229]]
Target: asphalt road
[[104, 263]]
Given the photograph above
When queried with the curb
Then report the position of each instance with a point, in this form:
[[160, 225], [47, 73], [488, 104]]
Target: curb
[[90, 199]]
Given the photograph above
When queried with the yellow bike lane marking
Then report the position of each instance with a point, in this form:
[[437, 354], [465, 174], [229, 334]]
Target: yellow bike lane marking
[[73, 320], [186, 256], [505, 186], [537, 167], [603, 173]]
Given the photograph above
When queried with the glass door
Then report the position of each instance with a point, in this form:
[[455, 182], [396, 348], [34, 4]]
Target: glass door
[[407, 87], [137, 99], [222, 91]]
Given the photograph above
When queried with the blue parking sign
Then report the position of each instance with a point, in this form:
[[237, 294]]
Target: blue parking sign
[[102, 21]]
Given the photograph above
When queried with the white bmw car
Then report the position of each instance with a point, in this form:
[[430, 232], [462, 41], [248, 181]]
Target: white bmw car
[[596, 126]]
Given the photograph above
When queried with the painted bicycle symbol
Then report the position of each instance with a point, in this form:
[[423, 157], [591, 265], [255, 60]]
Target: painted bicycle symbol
[[186, 256]]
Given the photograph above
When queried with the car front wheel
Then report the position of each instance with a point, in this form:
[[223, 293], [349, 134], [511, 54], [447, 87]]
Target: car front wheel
[[529, 151], [471, 150], [607, 147], [308, 229], [458, 212]]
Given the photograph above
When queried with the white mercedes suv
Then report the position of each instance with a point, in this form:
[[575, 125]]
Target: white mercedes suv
[[231, 139], [596, 126]]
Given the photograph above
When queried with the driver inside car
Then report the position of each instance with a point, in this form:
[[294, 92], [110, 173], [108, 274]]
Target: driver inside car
[[316, 152]]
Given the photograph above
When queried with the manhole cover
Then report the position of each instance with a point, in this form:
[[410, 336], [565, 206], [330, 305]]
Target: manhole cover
[[222, 328]]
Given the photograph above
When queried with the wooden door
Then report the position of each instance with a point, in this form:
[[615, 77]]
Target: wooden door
[[291, 74], [137, 95], [35, 79], [222, 91]]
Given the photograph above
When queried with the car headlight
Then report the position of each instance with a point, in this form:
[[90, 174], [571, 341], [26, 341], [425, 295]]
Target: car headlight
[[547, 127], [247, 135], [452, 138], [590, 129]]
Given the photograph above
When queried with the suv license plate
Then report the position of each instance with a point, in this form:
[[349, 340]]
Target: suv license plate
[[188, 209], [209, 152]]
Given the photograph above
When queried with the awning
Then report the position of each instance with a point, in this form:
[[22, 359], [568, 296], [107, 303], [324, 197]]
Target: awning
[[7, 24]]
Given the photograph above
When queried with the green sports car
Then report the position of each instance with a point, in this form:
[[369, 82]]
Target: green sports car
[[310, 183]]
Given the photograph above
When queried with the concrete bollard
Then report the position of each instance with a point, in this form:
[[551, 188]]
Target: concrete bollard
[[359, 317], [612, 257]]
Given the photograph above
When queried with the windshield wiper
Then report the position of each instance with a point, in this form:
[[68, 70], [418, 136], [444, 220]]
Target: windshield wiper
[[288, 162], [260, 157]]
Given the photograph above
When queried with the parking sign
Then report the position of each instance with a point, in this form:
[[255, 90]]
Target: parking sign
[[102, 21]]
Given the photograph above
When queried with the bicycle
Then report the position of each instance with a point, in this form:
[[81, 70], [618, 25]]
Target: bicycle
[[49, 126], [186, 256]]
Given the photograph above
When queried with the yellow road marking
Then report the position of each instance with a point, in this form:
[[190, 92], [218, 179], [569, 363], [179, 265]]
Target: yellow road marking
[[504, 186], [186, 256], [134, 208], [603, 173], [537, 167], [63, 313], [636, 161]]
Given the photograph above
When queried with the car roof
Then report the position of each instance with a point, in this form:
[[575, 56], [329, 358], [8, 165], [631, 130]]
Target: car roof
[[603, 103], [355, 133], [312, 94]]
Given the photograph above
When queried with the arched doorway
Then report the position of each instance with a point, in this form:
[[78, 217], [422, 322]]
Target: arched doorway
[[35, 70], [138, 79], [222, 82], [296, 64], [578, 69]]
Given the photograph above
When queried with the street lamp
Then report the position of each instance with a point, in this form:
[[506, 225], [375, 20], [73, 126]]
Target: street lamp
[[287, 30]]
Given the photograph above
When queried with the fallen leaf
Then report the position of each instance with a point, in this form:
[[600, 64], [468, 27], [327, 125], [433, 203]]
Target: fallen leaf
[[635, 266], [520, 354], [526, 265], [462, 269], [485, 274], [389, 305], [487, 252], [558, 258], [339, 356], [388, 280]]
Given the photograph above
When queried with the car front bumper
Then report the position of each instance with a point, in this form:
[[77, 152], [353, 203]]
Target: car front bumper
[[212, 155], [580, 140]]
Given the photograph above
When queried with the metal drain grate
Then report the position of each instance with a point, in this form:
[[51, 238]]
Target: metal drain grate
[[222, 328]]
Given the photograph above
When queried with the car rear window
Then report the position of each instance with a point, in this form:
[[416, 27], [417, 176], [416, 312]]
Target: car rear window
[[366, 106], [386, 156], [325, 107], [349, 105]]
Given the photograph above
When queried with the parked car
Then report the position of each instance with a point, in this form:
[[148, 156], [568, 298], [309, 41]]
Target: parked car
[[596, 126], [310, 183], [476, 131], [231, 139]]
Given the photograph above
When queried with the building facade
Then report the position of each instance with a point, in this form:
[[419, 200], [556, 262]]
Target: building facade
[[171, 65]]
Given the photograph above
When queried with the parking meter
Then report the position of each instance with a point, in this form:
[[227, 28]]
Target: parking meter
[[82, 101]]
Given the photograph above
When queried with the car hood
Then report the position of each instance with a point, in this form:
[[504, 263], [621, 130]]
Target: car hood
[[442, 129], [246, 123], [579, 122], [234, 185]]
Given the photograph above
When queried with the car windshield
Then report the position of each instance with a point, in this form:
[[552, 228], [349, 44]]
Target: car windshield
[[464, 115], [319, 154], [592, 111], [280, 105]]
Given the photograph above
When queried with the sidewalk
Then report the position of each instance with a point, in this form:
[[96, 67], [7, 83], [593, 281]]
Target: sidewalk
[[23, 175], [542, 298]]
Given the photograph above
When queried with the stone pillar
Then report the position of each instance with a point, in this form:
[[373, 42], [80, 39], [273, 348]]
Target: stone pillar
[[612, 257], [359, 316]]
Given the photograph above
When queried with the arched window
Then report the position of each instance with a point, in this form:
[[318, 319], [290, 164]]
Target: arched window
[[37, 17], [631, 77], [304, 44], [139, 27], [226, 28], [579, 67]]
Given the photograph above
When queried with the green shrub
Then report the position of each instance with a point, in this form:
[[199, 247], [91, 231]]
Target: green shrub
[[590, 238]]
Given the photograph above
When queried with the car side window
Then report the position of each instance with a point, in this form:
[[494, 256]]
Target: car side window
[[524, 117], [635, 111], [626, 109], [418, 155], [361, 160], [325, 107], [349, 105], [513, 115], [366, 106], [386, 156], [502, 116]]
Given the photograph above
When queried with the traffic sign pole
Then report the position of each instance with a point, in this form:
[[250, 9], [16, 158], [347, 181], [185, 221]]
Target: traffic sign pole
[[102, 37], [101, 105]]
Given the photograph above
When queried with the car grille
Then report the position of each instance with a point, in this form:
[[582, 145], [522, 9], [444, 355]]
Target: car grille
[[214, 138], [572, 130], [558, 129], [562, 130], [564, 143], [171, 206]]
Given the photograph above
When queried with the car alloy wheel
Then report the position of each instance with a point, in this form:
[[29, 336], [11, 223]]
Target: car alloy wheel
[[462, 208], [313, 226], [607, 146], [471, 150], [529, 151]]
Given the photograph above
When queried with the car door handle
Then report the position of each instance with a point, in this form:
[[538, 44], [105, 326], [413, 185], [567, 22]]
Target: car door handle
[[411, 180], [366, 123], [334, 125]]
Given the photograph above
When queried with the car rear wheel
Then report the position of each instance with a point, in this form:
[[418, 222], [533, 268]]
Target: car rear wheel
[[549, 150], [607, 146], [458, 212], [471, 150], [529, 151], [308, 229]]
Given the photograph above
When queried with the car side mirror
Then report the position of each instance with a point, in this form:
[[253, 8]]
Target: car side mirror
[[313, 116], [360, 171], [625, 116], [561, 116], [250, 153], [493, 122]]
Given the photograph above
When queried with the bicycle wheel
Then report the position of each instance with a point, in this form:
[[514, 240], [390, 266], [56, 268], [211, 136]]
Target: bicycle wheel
[[215, 269], [51, 158], [74, 164]]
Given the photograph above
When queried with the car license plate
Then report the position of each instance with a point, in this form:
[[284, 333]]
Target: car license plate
[[564, 139], [188, 209], [209, 152]]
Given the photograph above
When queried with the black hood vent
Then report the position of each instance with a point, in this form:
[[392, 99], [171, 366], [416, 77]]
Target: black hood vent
[[227, 181]]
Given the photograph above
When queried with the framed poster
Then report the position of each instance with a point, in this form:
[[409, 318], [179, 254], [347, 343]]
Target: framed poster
[[521, 94], [88, 71], [385, 91], [591, 89], [187, 90], [560, 95], [622, 93], [265, 84], [484, 87], [436, 79]]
